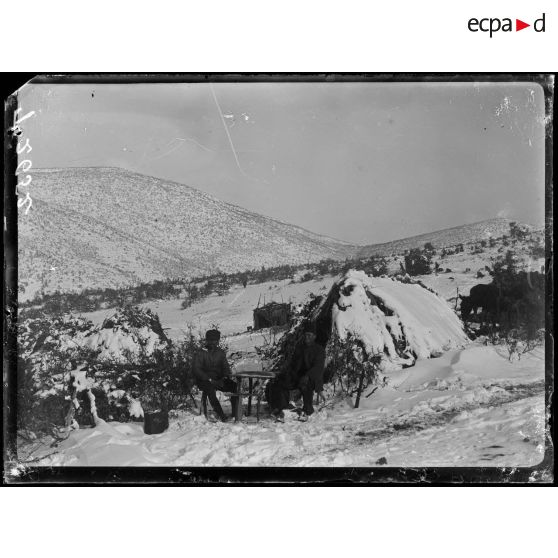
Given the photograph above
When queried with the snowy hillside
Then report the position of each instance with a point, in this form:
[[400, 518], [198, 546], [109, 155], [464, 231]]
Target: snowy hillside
[[464, 234], [89, 228], [106, 227]]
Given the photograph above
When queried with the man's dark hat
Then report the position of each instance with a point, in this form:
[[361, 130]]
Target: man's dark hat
[[212, 335], [310, 328]]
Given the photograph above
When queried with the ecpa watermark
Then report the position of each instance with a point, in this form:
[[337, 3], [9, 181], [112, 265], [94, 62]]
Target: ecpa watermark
[[494, 25]]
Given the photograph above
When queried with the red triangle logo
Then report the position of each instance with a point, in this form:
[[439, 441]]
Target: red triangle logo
[[519, 25]]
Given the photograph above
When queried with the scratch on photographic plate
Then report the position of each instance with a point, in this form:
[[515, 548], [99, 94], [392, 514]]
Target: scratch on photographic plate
[[196, 142], [229, 136]]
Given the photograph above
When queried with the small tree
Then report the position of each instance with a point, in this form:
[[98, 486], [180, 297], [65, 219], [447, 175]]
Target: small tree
[[429, 247], [350, 367], [521, 341], [192, 295], [375, 266], [417, 262], [518, 231], [46, 353], [267, 351], [26, 399], [537, 250], [160, 380], [505, 269]]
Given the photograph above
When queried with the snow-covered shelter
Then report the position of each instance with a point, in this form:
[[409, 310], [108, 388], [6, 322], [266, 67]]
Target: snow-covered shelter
[[402, 322]]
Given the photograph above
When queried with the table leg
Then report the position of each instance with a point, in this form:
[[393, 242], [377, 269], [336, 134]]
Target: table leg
[[238, 417], [250, 387]]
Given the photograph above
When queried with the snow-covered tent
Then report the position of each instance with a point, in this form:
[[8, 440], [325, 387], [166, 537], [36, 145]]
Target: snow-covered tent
[[402, 322]]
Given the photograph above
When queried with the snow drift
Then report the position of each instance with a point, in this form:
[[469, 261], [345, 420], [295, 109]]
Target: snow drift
[[402, 322]]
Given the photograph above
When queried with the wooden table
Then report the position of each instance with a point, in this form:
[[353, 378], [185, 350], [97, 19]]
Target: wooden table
[[251, 375]]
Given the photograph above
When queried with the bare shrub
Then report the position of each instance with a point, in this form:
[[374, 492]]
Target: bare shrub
[[350, 368]]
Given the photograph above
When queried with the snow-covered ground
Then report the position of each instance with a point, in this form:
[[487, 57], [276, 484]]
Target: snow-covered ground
[[469, 407], [232, 312]]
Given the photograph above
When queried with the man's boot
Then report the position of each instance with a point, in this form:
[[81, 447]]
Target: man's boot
[[217, 407]]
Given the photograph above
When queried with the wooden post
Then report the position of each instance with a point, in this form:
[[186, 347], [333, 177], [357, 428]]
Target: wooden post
[[72, 409], [193, 400], [360, 384], [238, 417], [250, 386]]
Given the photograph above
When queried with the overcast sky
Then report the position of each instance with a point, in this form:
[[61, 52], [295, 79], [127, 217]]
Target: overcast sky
[[362, 162]]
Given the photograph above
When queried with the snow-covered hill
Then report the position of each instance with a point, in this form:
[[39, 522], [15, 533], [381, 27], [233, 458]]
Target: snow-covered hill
[[106, 227], [463, 234]]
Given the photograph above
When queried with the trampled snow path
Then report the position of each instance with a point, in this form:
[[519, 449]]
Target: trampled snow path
[[467, 408]]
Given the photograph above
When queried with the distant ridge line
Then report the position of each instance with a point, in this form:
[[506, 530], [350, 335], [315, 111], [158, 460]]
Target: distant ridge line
[[374, 246], [210, 196]]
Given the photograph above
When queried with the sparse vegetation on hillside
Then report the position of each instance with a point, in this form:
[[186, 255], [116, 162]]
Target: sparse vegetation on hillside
[[186, 233], [137, 228], [462, 235], [197, 288], [419, 261]]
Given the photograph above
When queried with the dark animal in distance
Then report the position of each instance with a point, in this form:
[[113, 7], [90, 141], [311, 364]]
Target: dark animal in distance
[[516, 301], [480, 296]]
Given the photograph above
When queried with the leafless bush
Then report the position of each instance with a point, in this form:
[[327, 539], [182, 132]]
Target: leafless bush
[[267, 351], [519, 342], [350, 367]]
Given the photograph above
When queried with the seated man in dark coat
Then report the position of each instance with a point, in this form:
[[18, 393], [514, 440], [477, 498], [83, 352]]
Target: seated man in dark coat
[[306, 374], [212, 372]]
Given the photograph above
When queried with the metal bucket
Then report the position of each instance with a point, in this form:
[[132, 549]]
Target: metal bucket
[[155, 422]]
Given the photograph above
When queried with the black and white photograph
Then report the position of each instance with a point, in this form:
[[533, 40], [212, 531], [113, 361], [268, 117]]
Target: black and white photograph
[[249, 271]]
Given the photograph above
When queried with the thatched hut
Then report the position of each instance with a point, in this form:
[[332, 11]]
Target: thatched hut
[[272, 314], [401, 322]]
